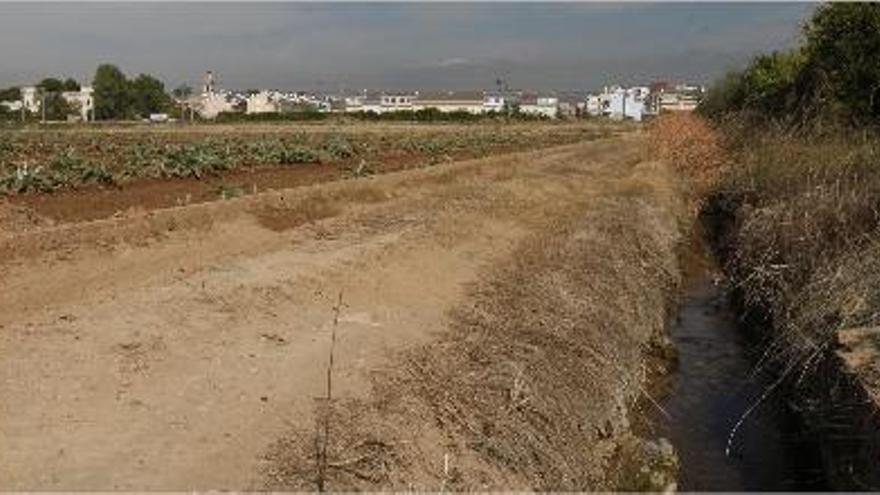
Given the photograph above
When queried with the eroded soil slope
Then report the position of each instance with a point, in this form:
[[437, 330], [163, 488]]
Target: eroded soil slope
[[495, 317]]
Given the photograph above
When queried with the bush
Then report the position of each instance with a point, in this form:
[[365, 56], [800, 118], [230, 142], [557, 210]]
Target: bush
[[834, 76]]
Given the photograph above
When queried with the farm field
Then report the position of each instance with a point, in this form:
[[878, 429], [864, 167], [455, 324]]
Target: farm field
[[488, 317], [96, 172]]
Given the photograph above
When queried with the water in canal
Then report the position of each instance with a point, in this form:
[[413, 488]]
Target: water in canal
[[708, 392]]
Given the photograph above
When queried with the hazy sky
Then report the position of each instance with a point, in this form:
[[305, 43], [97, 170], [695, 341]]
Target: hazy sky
[[332, 46]]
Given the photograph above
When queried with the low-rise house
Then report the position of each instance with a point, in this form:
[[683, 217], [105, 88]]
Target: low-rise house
[[451, 101], [539, 106], [628, 103], [12, 106], [396, 101], [212, 102], [354, 103], [82, 101], [678, 102], [619, 103], [30, 99], [494, 102], [595, 105], [679, 98], [262, 102], [473, 102], [567, 110], [379, 103], [210, 105]]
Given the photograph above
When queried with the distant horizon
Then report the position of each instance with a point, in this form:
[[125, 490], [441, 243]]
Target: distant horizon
[[333, 47]]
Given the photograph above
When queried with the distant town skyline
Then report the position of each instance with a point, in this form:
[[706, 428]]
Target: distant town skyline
[[334, 46]]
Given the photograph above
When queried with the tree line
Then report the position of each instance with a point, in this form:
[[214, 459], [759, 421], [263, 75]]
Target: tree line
[[831, 79], [116, 97]]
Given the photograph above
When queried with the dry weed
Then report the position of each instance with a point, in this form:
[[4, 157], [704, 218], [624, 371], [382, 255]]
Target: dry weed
[[531, 385], [795, 222], [692, 146]]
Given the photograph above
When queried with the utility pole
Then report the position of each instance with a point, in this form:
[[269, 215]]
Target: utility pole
[[43, 104]]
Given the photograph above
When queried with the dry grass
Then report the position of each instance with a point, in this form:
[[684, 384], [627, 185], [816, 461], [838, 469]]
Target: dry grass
[[802, 207], [688, 143], [531, 385], [791, 207], [795, 220]]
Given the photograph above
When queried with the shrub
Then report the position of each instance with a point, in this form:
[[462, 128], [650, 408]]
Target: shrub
[[834, 76]]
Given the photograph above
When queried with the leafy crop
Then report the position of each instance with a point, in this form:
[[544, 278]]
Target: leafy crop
[[195, 160], [50, 160]]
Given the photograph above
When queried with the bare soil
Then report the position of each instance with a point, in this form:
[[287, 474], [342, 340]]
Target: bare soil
[[495, 317]]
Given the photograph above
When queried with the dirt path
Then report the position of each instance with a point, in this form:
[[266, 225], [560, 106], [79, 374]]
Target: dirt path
[[168, 350]]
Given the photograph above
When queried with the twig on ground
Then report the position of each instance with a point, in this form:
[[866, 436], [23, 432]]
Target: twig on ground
[[322, 440]]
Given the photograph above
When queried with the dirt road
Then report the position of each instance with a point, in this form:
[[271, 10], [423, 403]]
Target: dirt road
[[171, 349]]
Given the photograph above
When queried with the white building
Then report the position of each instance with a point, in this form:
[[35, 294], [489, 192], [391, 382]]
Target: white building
[[678, 98], [493, 102], [262, 102], [12, 106], [540, 106], [595, 105], [619, 103], [396, 101], [83, 101], [213, 102], [380, 103], [473, 102], [30, 99], [451, 101], [678, 102]]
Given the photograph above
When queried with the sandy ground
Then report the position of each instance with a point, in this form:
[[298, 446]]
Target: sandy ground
[[169, 350]]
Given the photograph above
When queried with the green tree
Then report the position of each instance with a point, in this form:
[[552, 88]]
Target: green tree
[[55, 107], [112, 98], [770, 83], [10, 94], [70, 84], [843, 48], [51, 85], [182, 92], [148, 95], [727, 94]]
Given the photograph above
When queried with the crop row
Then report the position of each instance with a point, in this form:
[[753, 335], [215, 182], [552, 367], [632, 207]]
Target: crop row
[[41, 162]]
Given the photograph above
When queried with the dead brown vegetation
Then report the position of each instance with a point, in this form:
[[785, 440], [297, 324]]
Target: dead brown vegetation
[[532, 385], [795, 220], [688, 143]]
